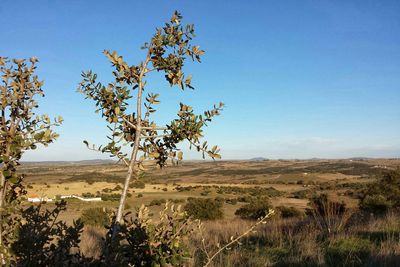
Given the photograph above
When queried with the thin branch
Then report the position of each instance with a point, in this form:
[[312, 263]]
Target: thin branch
[[154, 136], [262, 221], [130, 123]]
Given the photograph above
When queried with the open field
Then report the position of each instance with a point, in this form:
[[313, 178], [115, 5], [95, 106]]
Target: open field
[[302, 240], [285, 182]]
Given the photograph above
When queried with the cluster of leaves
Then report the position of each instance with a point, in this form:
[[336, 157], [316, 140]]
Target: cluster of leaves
[[142, 242], [43, 240], [204, 208], [382, 195]]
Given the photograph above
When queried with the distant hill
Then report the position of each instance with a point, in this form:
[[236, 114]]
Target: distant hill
[[259, 159]]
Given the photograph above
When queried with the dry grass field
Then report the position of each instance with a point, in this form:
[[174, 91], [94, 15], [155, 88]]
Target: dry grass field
[[283, 241], [203, 179]]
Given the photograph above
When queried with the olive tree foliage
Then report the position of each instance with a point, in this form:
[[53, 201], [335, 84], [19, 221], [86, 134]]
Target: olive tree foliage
[[166, 52], [145, 240], [20, 130]]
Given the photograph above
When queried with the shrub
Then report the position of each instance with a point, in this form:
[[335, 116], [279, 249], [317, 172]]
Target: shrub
[[110, 197], [348, 252], [257, 208], [157, 202], [177, 200], [117, 188], [45, 240], [377, 204], [96, 216], [142, 242], [139, 195], [302, 194], [382, 195], [289, 212], [330, 216], [204, 208], [138, 184]]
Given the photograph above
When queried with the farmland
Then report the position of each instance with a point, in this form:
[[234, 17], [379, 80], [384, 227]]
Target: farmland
[[284, 182]]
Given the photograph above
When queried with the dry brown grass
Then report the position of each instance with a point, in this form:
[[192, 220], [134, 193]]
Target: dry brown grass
[[91, 241]]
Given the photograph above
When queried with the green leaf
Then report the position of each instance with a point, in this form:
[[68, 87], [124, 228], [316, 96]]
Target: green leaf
[[6, 174]]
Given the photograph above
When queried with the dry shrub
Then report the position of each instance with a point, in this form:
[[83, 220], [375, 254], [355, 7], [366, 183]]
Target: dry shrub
[[92, 242], [330, 216]]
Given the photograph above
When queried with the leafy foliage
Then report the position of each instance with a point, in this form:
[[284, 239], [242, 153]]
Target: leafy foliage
[[257, 208], [20, 130], [142, 242], [43, 240], [204, 208], [382, 195]]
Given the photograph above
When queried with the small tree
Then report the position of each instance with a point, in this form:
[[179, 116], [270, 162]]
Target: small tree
[[166, 52], [20, 130]]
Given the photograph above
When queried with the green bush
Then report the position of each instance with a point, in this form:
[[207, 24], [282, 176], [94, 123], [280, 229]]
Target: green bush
[[157, 202], [257, 208], [96, 216], [138, 184], [302, 194], [289, 212], [110, 197], [376, 204], [204, 208], [349, 252], [382, 195]]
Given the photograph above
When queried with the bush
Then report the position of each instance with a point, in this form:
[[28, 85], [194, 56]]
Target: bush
[[382, 195], [204, 208], [257, 208], [289, 212], [96, 217], [138, 184], [110, 197], [117, 188], [141, 242], [157, 202], [377, 204], [348, 252], [139, 195], [302, 194]]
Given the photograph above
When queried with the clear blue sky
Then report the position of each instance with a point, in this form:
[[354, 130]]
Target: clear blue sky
[[300, 79]]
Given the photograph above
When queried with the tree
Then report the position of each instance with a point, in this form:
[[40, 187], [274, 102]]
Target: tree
[[166, 52], [20, 130]]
